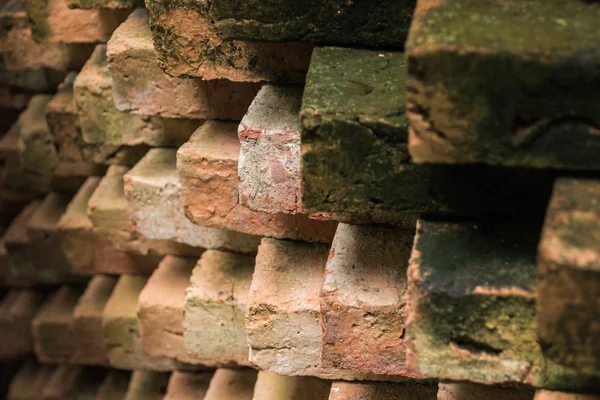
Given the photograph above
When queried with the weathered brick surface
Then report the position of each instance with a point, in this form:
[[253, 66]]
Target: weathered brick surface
[[52, 21], [160, 309], [87, 322], [17, 309], [381, 391], [73, 382], [208, 165], [187, 46], [110, 4], [187, 386], [472, 306], [215, 304], [40, 80], [29, 381], [522, 116], [107, 208], [121, 329], [359, 23], [101, 122], [231, 384], [363, 300], [354, 147], [475, 391], [153, 193], [52, 336], [147, 385], [549, 395], [13, 174], [114, 386], [569, 275], [270, 386], [89, 252], [269, 161], [142, 87]]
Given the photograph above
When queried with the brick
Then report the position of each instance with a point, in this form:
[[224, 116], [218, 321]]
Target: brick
[[231, 384], [188, 386], [73, 382], [12, 203], [87, 322], [54, 22], [140, 86], [354, 148], [214, 308], [89, 252], [114, 386], [270, 386], [40, 80], [186, 46], [569, 274], [475, 391], [21, 52], [101, 122], [121, 332], [474, 318], [110, 4], [17, 309], [521, 116], [30, 381], [549, 395], [269, 161], [363, 300], [147, 385], [381, 391], [153, 193], [160, 309], [207, 166], [52, 336], [107, 209]]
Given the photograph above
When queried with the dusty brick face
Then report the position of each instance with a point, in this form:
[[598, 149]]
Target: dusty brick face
[[232, 384], [363, 300], [69, 381], [207, 166], [29, 382], [40, 80], [17, 309], [569, 274], [114, 386], [474, 318], [140, 86], [215, 304], [381, 391], [153, 193], [187, 46], [53, 21], [270, 386], [187, 386], [549, 395], [474, 391], [269, 161], [102, 123], [147, 385], [520, 117]]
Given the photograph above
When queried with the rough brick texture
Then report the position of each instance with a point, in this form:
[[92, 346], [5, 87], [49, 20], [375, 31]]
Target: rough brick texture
[[187, 386], [29, 382], [549, 395], [153, 193], [521, 114], [270, 386], [475, 391], [208, 165], [114, 386], [147, 385], [17, 309], [110, 4], [381, 391], [231, 384]]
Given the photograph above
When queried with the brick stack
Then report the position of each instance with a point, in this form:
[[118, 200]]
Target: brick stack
[[364, 200]]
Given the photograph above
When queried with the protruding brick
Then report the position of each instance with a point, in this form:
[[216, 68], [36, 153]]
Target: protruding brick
[[17, 309], [107, 208], [215, 304], [40, 80], [30, 381], [140, 86], [89, 252], [153, 193], [549, 395], [381, 391], [73, 382], [114, 386], [569, 276], [270, 386], [472, 306], [53, 340], [102, 123], [121, 329], [269, 163], [87, 322], [160, 309], [52, 21], [362, 23], [519, 116], [354, 148], [111, 4], [187, 46], [363, 300], [188, 386], [232, 384], [147, 385], [13, 174], [208, 165], [475, 391]]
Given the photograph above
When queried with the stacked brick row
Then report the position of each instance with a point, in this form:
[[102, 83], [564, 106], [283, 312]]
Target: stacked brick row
[[299, 200]]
